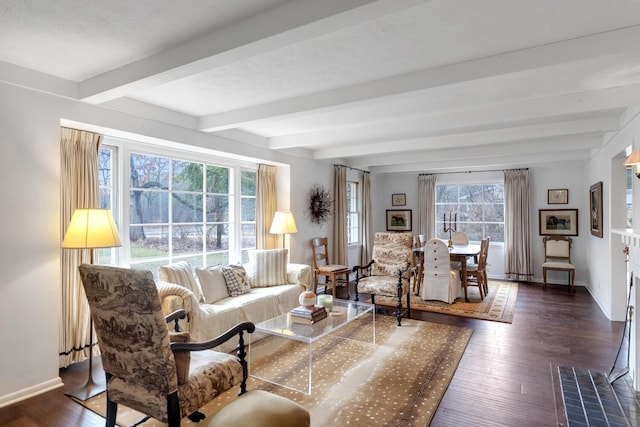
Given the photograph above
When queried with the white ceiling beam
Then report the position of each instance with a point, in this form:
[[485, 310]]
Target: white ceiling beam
[[273, 29], [487, 163], [25, 77], [484, 138], [552, 146], [461, 120], [603, 44]]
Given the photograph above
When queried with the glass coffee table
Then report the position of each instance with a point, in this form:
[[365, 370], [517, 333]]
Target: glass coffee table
[[347, 320]]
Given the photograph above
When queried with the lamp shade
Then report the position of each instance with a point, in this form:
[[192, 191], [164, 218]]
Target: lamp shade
[[633, 159], [91, 228], [283, 223]]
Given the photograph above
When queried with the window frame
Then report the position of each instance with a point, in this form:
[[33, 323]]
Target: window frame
[[489, 179], [121, 195]]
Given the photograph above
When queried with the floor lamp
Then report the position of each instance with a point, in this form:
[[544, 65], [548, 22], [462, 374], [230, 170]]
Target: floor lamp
[[283, 223], [90, 229]]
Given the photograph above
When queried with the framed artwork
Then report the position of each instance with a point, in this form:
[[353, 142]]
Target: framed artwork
[[398, 199], [562, 222], [595, 209], [398, 220], [558, 196]]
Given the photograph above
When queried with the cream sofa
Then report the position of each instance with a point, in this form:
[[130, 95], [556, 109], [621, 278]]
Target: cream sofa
[[272, 287]]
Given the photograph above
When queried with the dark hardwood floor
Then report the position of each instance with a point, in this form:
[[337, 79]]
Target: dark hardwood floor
[[505, 378]]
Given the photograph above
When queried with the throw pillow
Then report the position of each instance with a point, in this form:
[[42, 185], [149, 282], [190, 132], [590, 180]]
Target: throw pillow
[[181, 274], [214, 286], [235, 277], [268, 267]]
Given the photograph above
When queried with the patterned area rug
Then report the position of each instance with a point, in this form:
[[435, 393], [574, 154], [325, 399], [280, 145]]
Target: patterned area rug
[[399, 381], [499, 305]]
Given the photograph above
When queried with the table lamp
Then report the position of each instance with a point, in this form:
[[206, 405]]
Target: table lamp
[[283, 223], [90, 229]]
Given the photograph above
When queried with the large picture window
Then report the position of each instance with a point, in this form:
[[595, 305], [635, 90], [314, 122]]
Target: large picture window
[[479, 209], [181, 209]]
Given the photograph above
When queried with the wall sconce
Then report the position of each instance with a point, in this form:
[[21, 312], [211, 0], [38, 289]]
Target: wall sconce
[[634, 160]]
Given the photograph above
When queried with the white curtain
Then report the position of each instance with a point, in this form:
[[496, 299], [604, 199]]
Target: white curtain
[[79, 189], [340, 247], [266, 206], [427, 206], [517, 236], [367, 220]]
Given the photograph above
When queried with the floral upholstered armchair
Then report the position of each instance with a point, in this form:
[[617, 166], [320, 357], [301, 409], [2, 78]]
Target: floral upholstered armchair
[[144, 369], [390, 271]]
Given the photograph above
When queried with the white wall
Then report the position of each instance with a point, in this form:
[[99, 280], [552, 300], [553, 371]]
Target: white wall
[[30, 243], [569, 176]]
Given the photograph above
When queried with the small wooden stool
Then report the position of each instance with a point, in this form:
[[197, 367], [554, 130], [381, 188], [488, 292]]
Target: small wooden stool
[[259, 408]]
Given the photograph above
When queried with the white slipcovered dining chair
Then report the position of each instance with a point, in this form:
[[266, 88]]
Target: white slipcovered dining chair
[[459, 238], [440, 281]]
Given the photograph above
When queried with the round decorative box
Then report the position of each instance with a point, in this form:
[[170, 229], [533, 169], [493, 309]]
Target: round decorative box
[[307, 299]]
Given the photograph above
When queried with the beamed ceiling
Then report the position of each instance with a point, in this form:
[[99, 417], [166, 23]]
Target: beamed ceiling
[[387, 85]]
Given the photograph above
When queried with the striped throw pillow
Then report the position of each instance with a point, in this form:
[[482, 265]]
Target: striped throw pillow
[[268, 267]]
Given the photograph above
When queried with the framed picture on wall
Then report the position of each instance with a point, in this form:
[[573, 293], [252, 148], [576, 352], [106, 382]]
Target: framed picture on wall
[[595, 209], [399, 199], [558, 222], [398, 220], [558, 196]]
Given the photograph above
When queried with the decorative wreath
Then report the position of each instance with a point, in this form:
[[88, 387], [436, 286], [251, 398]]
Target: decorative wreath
[[320, 204]]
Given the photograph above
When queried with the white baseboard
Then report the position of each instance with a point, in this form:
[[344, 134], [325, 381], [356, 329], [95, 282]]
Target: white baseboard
[[11, 398]]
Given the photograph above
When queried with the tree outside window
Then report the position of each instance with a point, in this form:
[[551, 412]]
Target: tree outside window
[[479, 209]]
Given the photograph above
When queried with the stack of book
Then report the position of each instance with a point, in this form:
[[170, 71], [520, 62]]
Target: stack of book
[[308, 316]]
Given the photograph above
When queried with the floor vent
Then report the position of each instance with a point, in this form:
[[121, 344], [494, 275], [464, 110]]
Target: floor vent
[[589, 399]]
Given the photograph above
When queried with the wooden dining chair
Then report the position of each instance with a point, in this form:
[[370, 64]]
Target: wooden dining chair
[[478, 272], [334, 274]]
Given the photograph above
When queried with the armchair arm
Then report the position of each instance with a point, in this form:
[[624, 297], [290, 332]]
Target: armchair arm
[[174, 317], [238, 330], [358, 268]]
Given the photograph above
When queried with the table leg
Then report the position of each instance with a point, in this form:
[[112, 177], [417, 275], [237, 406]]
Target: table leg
[[463, 272]]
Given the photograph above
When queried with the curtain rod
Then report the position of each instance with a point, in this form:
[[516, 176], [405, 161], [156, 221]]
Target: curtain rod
[[355, 169], [490, 170]]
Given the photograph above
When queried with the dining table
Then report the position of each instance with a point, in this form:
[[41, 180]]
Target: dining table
[[457, 253]]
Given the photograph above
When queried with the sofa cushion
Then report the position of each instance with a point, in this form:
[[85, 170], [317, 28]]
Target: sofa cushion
[[268, 267], [235, 277], [213, 284], [181, 274]]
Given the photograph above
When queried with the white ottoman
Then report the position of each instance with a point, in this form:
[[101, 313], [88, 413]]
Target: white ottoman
[[258, 408]]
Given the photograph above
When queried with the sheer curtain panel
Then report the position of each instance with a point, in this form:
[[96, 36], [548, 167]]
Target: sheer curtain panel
[[517, 235], [79, 189]]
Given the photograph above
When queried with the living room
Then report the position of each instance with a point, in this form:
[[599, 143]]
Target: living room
[[34, 105]]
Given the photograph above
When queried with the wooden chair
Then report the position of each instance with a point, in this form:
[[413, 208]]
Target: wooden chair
[[441, 283], [478, 272], [389, 272], [144, 369], [323, 267], [557, 256]]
